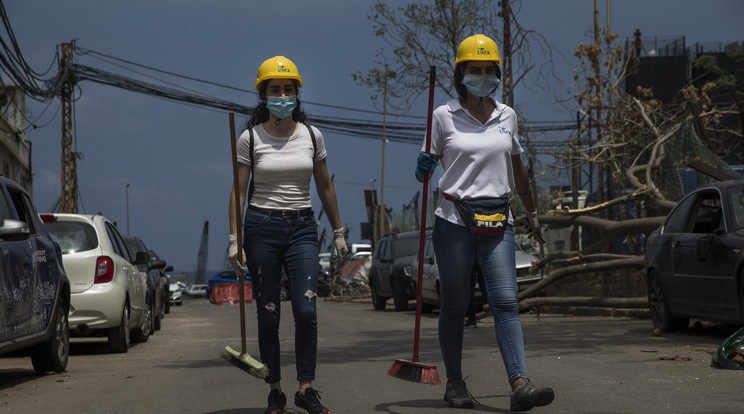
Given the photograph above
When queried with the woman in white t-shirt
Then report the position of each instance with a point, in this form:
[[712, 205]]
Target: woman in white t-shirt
[[281, 154], [475, 139]]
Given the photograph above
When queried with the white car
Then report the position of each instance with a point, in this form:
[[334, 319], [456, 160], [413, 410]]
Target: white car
[[108, 294], [197, 291], [175, 294]]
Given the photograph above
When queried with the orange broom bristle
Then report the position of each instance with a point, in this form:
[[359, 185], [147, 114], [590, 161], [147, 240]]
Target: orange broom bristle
[[415, 372]]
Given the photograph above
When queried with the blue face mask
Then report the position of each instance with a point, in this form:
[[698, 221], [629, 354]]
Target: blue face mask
[[479, 85], [281, 106]]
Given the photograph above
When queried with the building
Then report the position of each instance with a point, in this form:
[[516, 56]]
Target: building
[[15, 149]]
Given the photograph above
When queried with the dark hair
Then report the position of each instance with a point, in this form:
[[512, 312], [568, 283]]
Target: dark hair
[[459, 74], [261, 112]]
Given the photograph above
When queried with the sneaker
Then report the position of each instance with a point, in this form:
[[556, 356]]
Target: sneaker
[[310, 402], [277, 402], [457, 395], [527, 396]]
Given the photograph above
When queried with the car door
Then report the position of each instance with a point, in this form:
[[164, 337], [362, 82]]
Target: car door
[[137, 282], [385, 268], [430, 276], [17, 267], [699, 285]]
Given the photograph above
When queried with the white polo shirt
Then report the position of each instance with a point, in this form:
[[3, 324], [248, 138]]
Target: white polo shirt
[[476, 157]]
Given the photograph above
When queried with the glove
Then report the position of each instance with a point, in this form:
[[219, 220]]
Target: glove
[[425, 164], [341, 247], [534, 227], [232, 256]]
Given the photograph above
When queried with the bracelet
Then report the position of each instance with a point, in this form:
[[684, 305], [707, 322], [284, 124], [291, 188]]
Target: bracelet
[[528, 192], [233, 238], [338, 233]]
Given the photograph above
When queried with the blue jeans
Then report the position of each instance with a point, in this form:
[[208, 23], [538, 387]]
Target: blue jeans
[[273, 243], [456, 248]]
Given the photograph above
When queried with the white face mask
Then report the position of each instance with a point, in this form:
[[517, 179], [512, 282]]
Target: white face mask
[[480, 85]]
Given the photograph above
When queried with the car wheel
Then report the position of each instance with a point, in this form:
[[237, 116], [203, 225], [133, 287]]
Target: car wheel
[[54, 354], [378, 302], [142, 333], [659, 308], [426, 307], [118, 337], [157, 322], [399, 297]]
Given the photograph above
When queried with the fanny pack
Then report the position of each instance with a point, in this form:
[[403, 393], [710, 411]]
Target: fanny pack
[[488, 216]]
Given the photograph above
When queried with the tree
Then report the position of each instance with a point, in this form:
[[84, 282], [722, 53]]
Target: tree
[[427, 34]]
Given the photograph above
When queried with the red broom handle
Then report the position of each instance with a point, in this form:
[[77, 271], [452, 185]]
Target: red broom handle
[[422, 233]]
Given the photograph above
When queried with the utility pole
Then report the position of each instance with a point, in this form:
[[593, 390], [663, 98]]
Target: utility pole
[[382, 175], [507, 81], [69, 195]]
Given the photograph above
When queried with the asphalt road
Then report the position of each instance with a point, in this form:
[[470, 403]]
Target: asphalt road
[[595, 365]]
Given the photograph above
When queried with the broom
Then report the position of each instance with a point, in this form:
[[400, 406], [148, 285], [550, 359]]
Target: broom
[[240, 359], [413, 370]]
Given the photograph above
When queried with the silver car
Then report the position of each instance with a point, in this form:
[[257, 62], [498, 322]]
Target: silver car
[[430, 296], [108, 294]]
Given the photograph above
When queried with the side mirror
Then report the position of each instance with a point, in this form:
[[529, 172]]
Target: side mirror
[[14, 230], [157, 264], [168, 268], [703, 247], [141, 258]]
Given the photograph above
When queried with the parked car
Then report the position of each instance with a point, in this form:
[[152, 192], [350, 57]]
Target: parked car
[[325, 261], [390, 271], [430, 294], [694, 262], [224, 276], [175, 296], [197, 291], [34, 289], [108, 296], [164, 277], [152, 272]]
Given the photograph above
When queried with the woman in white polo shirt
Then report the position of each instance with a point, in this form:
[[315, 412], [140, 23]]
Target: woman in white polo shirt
[[475, 139], [280, 153]]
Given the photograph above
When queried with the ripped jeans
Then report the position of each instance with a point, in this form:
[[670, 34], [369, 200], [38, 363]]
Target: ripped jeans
[[273, 243]]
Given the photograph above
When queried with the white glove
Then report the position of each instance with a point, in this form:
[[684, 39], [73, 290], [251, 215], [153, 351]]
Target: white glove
[[534, 230], [232, 256], [341, 247]]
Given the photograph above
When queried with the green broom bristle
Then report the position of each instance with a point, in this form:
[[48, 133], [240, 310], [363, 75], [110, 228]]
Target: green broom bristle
[[415, 372], [245, 362]]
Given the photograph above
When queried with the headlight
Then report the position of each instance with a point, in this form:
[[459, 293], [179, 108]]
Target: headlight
[[408, 271]]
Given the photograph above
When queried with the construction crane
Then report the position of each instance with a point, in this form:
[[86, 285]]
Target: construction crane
[[69, 195], [201, 264]]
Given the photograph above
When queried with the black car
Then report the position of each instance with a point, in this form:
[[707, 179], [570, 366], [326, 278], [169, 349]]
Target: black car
[[166, 281], [34, 289], [157, 289], [694, 262], [390, 271]]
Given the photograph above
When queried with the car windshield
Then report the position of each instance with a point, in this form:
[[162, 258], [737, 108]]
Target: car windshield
[[736, 197], [73, 237], [406, 247]]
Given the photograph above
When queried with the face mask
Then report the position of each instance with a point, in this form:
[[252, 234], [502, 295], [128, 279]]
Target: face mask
[[481, 86], [281, 106]]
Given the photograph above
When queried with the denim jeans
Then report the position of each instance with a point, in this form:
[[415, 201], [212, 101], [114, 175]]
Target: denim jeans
[[273, 243], [456, 248]]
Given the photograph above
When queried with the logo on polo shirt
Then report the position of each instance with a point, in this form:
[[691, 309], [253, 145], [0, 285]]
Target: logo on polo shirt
[[503, 130]]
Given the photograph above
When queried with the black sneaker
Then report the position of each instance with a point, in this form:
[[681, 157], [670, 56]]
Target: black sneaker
[[277, 402], [457, 395], [527, 396], [310, 402]]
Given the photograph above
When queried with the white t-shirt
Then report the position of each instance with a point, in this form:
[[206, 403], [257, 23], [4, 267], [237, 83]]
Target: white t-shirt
[[284, 166], [476, 157]]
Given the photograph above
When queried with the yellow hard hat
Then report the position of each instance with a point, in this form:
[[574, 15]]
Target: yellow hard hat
[[277, 67], [478, 47]]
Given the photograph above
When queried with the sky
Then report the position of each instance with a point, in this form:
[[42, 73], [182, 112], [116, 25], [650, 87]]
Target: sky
[[176, 157]]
